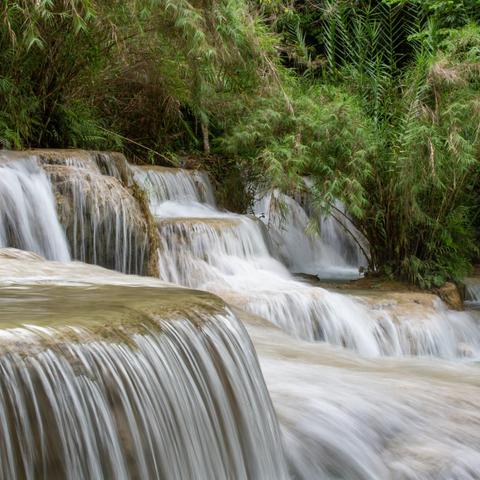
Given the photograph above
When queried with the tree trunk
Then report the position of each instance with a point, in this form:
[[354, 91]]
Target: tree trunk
[[206, 141]]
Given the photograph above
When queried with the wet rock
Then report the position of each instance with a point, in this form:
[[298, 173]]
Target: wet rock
[[450, 294], [103, 221]]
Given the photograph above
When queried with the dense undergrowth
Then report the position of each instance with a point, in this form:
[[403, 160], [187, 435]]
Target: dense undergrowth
[[376, 101]]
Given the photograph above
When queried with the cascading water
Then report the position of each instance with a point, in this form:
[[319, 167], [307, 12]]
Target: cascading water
[[125, 382], [111, 376], [164, 184], [201, 247], [331, 255], [28, 218], [472, 291], [104, 223], [339, 233], [346, 418]]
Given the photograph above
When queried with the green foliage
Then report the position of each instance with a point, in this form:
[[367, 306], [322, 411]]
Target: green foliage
[[309, 130], [46, 48], [398, 141], [154, 73], [375, 101], [186, 69]]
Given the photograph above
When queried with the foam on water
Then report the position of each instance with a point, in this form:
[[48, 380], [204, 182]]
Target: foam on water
[[104, 375], [229, 254], [347, 418]]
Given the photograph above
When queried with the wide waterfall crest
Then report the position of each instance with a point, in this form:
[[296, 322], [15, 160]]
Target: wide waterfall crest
[[228, 254], [112, 164], [119, 382], [28, 218]]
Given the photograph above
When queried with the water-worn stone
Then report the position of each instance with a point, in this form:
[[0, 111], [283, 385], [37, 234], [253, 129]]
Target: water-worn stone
[[450, 294]]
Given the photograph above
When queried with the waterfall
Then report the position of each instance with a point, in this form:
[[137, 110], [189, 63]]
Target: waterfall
[[112, 376], [123, 382], [28, 217], [202, 247], [330, 254], [472, 291], [103, 221], [164, 184]]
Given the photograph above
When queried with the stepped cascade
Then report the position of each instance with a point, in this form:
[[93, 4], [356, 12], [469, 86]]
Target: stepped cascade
[[106, 375], [103, 222], [226, 253], [130, 380], [276, 276], [202, 247]]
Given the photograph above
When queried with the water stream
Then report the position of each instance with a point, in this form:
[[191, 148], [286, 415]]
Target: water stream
[[344, 417], [331, 253], [231, 255], [126, 381], [28, 218], [106, 375]]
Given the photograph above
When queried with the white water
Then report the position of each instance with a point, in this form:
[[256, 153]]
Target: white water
[[390, 419], [58, 201], [332, 254], [104, 223], [102, 382], [472, 291], [201, 247], [28, 218], [111, 376], [173, 184]]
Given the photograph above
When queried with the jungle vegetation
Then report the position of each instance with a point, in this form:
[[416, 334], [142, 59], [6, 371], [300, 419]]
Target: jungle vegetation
[[376, 101]]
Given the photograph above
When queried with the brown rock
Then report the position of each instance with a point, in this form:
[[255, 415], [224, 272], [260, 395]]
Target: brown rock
[[450, 294]]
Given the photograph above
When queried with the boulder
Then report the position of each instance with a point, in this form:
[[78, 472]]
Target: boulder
[[450, 294]]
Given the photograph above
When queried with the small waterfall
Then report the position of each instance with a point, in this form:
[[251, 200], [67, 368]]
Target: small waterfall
[[104, 223], [115, 382], [112, 164], [338, 232], [199, 251], [332, 254], [164, 184], [472, 291], [28, 217], [225, 253], [115, 165]]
